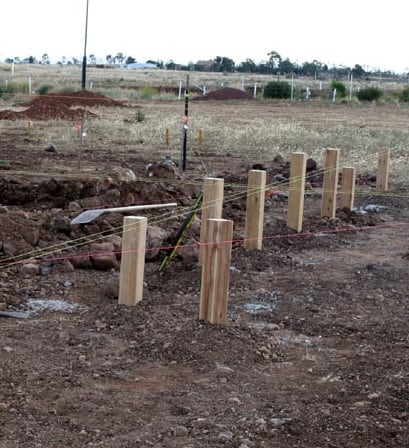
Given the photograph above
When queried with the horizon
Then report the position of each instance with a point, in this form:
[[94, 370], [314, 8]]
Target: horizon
[[162, 31]]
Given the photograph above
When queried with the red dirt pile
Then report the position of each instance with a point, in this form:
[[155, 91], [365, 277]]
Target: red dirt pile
[[226, 93], [57, 106]]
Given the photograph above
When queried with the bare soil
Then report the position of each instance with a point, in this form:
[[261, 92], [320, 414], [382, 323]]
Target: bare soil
[[314, 354]]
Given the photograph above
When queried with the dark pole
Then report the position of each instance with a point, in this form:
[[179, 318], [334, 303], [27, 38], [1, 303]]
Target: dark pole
[[84, 59], [185, 119]]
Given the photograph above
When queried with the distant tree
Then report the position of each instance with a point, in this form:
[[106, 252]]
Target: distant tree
[[92, 59], [286, 66], [109, 59], [9, 60], [119, 58], [130, 60], [247, 66], [32, 60], [273, 61], [314, 68], [358, 71], [45, 59], [170, 65], [75, 61], [223, 64], [64, 60]]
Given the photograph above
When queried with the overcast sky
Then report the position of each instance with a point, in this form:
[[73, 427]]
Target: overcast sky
[[372, 34]]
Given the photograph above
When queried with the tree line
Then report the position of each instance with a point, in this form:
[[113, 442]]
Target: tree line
[[273, 65]]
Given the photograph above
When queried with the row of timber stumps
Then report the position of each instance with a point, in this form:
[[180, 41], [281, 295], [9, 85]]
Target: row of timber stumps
[[216, 233]]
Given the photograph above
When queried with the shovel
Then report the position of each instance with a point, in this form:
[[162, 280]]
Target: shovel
[[90, 215]]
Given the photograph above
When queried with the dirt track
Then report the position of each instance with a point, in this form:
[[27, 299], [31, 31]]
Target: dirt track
[[315, 353]]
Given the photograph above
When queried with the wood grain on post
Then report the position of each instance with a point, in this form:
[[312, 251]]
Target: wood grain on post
[[212, 204], [132, 260], [216, 270], [348, 187], [330, 184], [382, 177], [256, 192], [296, 193]]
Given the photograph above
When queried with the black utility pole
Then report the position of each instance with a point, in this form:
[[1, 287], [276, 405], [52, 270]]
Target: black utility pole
[[84, 59], [182, 164]]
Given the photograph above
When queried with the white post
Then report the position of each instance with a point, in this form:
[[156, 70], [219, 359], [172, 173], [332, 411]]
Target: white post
[[90, 85], [12, 69], [180, 90], [334, 95], [350, 88], [292, 86], [255, 90], [29, 85], [320, 85]]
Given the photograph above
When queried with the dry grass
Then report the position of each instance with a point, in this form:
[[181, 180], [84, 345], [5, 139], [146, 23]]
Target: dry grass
[[249, 132]]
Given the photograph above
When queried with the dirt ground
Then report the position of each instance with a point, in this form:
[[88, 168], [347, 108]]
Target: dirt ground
[[314, 354]]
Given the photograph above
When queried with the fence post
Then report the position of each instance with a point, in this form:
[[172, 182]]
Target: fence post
[[212, 204], [296, 191], [132, 260], [256, 192], [382, 177], [348, 188], [216, 270], [330, 184]]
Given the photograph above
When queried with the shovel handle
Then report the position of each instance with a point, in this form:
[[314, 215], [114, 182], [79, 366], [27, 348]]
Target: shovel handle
[[139, 207]]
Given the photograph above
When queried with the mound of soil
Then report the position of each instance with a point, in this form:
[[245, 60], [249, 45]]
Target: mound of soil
[[57, 106], [81, 98], [226, 93]]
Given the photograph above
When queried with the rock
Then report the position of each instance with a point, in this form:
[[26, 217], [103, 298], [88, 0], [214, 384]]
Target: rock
[[81, 261], [32, 235], [103, 257], [311, 165], [155, 238], [116, 241], [3, 209], [50, 148], [74, 206], [180, 431], [30, 268], [164, 169], [225, 435], [112, 194], [61, 224]]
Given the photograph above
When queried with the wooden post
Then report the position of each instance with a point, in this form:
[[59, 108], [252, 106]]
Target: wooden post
[[296, 193], [330, 184], [348, 187], [212, 204], [216, 270], [382, 177], [256, 192], [132, 260]]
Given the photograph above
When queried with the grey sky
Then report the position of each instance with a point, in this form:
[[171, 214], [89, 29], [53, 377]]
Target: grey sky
[[337, 33]]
